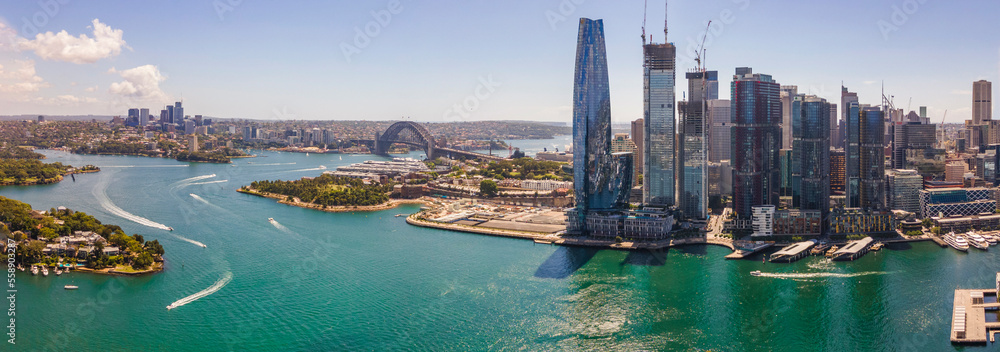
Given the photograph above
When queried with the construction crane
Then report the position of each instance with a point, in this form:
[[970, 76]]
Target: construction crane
[[701, 48], [644, 6]]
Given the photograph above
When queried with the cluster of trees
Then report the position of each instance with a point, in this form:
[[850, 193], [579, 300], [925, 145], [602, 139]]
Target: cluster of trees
[[22, 171], [525, 169], [48, 135], [209, 157], [328, 190], [11, 152], [137, 252], [116, 148]]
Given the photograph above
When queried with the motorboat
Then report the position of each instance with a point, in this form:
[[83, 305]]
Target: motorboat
[[755, 273], [977, 241], [170, 229], [58, 272], [956, 241], [70, 287], [45, 271], [34, 270]]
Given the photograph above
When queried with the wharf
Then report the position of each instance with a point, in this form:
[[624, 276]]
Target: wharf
[[968, 322], [743, 250], [854, 249], [937, 240], [793, 252]]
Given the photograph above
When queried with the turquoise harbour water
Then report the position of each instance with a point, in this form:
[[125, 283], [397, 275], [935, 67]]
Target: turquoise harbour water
[[368, 281]]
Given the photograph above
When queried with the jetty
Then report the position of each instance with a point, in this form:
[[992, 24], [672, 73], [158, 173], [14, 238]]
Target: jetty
[[743, 249], [793, 252], [853, 250]]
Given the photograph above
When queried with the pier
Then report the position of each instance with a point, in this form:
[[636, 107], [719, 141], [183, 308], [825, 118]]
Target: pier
[[968, 316], [793, 252], [743, 249], [853, 250]]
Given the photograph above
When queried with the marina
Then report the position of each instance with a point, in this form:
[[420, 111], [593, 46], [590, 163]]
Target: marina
[[853, 250]]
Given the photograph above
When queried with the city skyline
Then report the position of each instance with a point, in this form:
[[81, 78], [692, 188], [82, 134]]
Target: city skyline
[[272, 61]]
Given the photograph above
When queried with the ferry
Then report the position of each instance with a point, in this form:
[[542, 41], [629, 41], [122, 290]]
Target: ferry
[[45, 271], [992, 239], [70, 287], [956, 241], [832, 250], [755, 273], [877, 246], [977, 241], [34, 270]]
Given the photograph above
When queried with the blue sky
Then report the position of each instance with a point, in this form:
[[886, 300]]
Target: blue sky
[[503, 59]]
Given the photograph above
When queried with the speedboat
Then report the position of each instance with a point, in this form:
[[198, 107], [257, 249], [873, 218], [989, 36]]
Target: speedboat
[[170, 228], [755, 273], [70, 287], [977, 241], [171, 306], [956, 241], [271, 220], [45, 271], [58, 272], [34, 270]]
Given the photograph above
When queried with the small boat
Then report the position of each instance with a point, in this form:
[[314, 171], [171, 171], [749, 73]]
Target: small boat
[[58, 272], [21, 268], [755, 273], [877, 246], [171, 306], [170, 229], [45, 271], [832, 250], [34, 270], [271, 220], [70, 287]]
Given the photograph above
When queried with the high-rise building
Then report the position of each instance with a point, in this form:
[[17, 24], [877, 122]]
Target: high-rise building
[[838, 172], [622, 144], [788, 94], [904, 190], [756, 140], [598, 175], [954, 171], [692, 155], [811, 160], [193, 143], [872, 159], [982, 101], [719, 130], [640, 146], [170, 114], [189, 126], [660, 164], [835, 139], [851, 111], [143, 116], [178, 114]]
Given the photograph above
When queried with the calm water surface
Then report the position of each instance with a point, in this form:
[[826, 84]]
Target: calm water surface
[[367, 281]]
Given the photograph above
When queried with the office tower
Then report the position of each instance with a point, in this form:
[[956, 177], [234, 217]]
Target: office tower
[[954, 171], [872, 159], [640, 146], [851, 112], [193, 143], [923, 115], [247, 133], [756, 139], [834, 127], [198, 120], [719, 130], [982, 101], [178, 114], [143, 116], [692, 155], [133, 113], [785, 185], [658, 182], [838, 172], [164, 117], [788, 94], [189, 126], [811, 160], [904, 190], [170, 114], [41, 118], [596, 172], [621, 143]]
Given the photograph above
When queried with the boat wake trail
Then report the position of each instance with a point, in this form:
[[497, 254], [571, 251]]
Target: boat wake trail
[[206, 182], [281, 227], [123, 166], [188, 240], [321, 167], [114, 209], [196, 178], [218, 285], [819, 275], [271, 164], [199, 198]]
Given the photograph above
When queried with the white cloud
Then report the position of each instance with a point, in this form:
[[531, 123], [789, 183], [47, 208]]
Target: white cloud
[[141, 83], [107, 42], [21, 80], [90, 89]]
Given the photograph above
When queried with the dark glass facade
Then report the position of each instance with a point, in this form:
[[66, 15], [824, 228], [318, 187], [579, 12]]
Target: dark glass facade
[[659, 180], [756, 140], [598, 175], [872, 159], [852, 155], [811, 141]]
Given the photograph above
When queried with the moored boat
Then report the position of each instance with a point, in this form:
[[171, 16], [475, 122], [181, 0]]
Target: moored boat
[[70, 287], [45, 271], [34, 270], [755, 273], [956, 241], [977, 241]]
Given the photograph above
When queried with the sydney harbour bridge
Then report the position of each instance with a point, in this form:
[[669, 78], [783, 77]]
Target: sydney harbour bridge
[[416, 135]]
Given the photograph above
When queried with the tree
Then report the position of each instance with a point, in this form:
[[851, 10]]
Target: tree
[[488, 188], [927, 222], [936, 230], [143, 261], [154, 247]]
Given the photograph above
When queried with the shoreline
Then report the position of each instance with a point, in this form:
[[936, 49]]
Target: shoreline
[[156, 268], [392, 203]]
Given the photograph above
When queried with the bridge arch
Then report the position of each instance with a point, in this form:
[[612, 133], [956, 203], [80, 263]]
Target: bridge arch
[[405, 132]]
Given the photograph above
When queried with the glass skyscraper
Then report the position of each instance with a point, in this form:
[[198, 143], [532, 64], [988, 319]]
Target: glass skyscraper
[[658, 182], [756, 140], [851, 111], [811, 141], [598, 175], [693, 155], [872, 159]]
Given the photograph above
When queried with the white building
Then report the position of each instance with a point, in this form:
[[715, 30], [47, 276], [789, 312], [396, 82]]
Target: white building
[[763, 220]]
